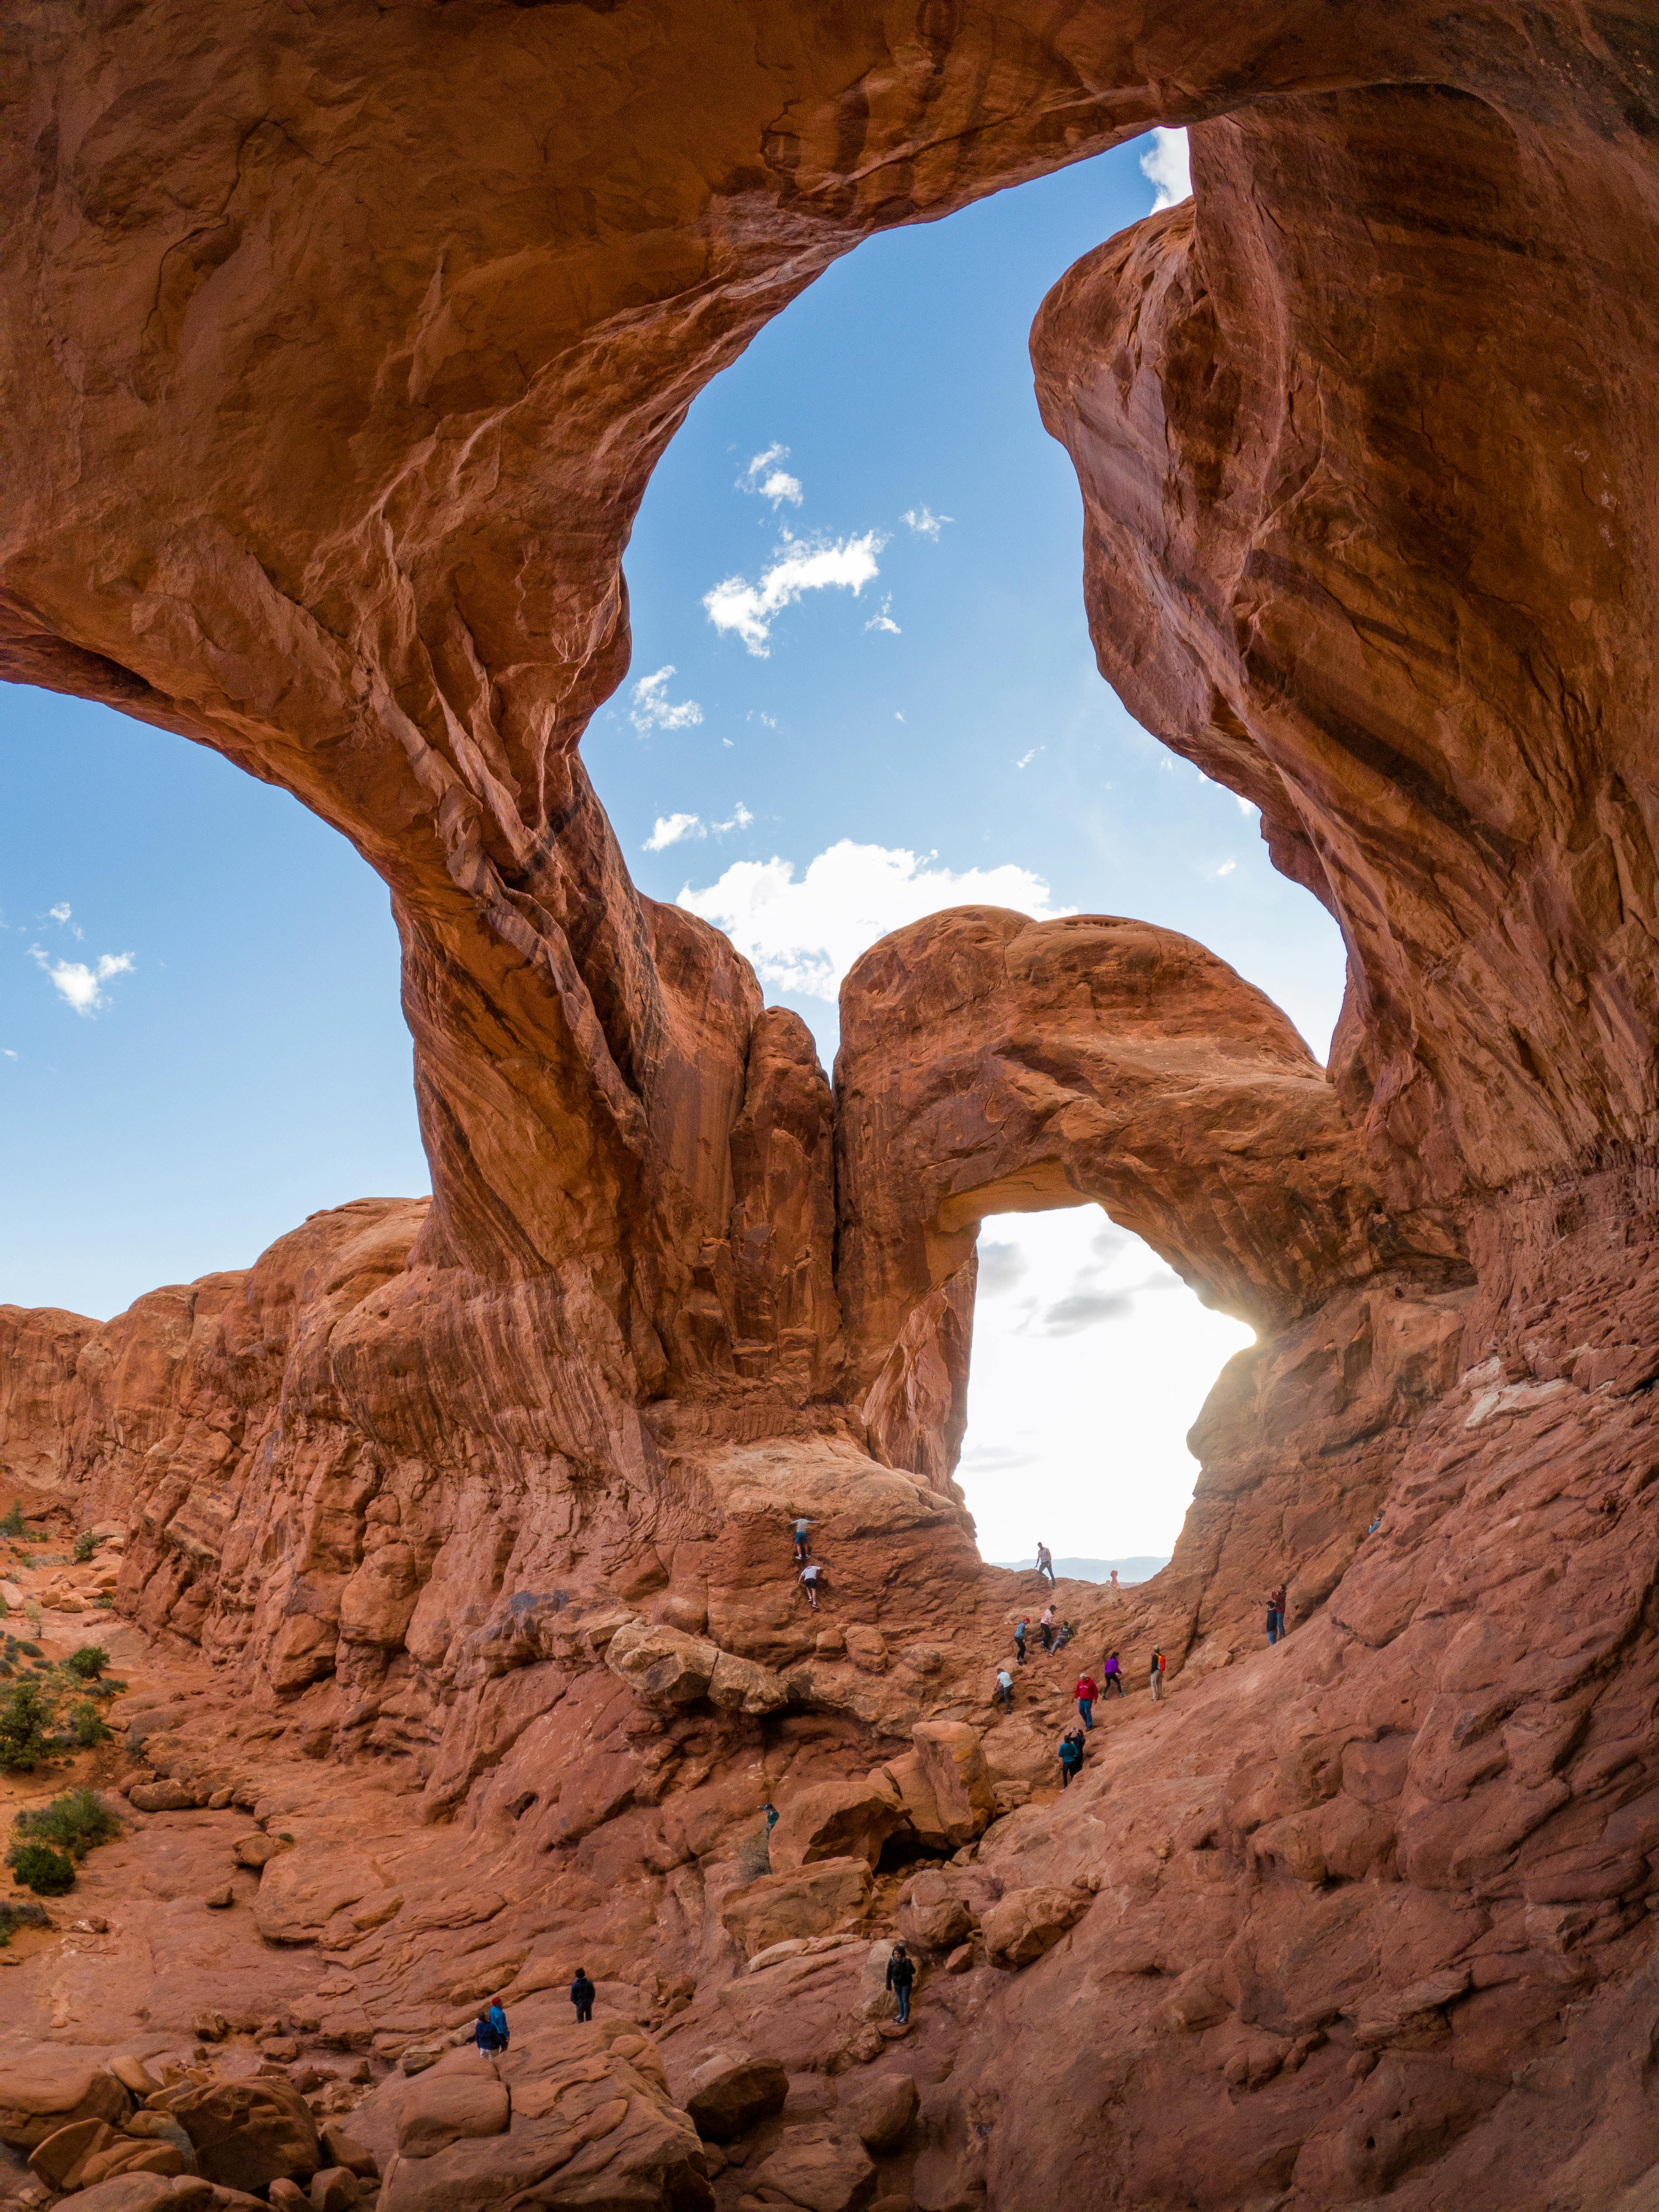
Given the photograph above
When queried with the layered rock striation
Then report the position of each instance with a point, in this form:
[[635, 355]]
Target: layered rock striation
[[342, 350]]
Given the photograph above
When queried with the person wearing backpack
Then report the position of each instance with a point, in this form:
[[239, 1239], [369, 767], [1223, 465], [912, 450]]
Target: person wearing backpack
[[582, 1994], [1071, 1756], [901, 1974], [1155, 1683], [1086, 1694]]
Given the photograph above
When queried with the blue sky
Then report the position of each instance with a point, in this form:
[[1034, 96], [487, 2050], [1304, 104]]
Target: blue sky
[[821, 764]]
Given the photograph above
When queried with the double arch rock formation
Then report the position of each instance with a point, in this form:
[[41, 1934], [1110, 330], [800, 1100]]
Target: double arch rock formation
[[339, 353]]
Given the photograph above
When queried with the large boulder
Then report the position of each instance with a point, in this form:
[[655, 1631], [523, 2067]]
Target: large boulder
[[882, 2111], [835, 1821], [810, 1901], [1025, 1923], [662, 1665], [153, 2192], [247, 2134], [46, 2089], [821, 2169], [744, 1686], [462, 2095], [936, 1913], [301, 1891], [592, 2125], [953, 1764], [728, 2094]]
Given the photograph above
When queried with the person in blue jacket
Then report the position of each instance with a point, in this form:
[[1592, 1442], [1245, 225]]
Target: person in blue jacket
[[490, 2031]]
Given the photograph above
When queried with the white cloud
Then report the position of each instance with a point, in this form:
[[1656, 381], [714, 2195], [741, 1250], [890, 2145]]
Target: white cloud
[[58, 913], [651, 709], [674, 830], [82, 987], [9, 1053], [926, 523], [741, 819], [801, 565], [804, 936], [1026, 759], [1167, 164], [1246, 808], [765, 477], [883, 620], [1225, 869]]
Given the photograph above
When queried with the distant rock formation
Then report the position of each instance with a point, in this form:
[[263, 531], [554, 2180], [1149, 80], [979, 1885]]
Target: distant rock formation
[[340, 353]]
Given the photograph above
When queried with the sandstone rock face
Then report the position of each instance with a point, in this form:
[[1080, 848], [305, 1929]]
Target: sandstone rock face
[[474, 1513]]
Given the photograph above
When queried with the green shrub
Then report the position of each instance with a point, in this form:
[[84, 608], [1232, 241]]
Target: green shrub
[[15, 1915], [27, 1714], [74, 1822], [87, 1664], [86, 1725], [13, 1523], [47, 1872], [29, 1650], [85, 1545]]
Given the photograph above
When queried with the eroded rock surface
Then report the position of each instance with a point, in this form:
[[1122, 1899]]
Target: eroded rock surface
[[453, 1538]]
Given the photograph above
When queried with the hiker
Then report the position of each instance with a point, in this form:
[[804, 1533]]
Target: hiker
[[1019, 1639], [489, 2030], [582, 1994], [1067, 1633], [1156, 1683], [771, 1813], [809, 1582], [1046, 1628], [1071, 1756], [1086, 1694], [801, 1527], [1275, 1602], [901, 1973], [1046, 1564], [1111, 1677], [1005, 1689]]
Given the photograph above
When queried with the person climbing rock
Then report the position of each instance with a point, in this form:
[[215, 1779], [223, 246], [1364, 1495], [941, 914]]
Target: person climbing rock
[[901, 1974], [1005, 1689], [1275, 1601], [1019, 1639], [483, 2033], [1156, 1684], [499, 2027], [1045, 1565], [582, 1994], [809, 1578], [801, 1527], [1111, 1675], [771, 1813], [1085, 1693], [1071, 1756], [1046, 1628], [1067, 1630]]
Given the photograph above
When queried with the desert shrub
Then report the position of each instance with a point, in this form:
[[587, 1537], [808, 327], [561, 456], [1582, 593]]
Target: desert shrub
[[86, 1725], [85, 1545], [13, 1523], [74, 1822], [29, 1650], [27, 1714], [47, 1872], [755, 1857], [87, 1664], [15, 1914]]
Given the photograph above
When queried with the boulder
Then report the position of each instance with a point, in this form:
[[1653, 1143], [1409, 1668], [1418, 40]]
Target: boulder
[[833, 1820], [881, 2112], [809, 1901], [953, 1765], [301, 1890], [821, 2169], [1025, 1923], [592, 2123], [58, 2161], [335, 2189], [162, 2127], [935, 1913], [439, 2108], [133, 2075], [728, 2094], [165, 1797], [663, 1665], [744, 1686], [257, 1851], [125, 2156], [150, 2192], [247, 2134], [342, 2147], [46, 2089]]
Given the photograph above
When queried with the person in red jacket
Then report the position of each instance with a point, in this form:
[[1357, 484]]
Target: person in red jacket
[[1086, 1694]]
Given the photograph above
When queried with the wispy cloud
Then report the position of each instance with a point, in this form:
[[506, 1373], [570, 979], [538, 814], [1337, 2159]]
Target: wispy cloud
[[1167, 164], [652, 709], [676, 829], [81, 987], [1225, 869], [801, 565], [768, 478], [1026, 759], [884, 619], [803, 936], [60, 913], [926, 523]]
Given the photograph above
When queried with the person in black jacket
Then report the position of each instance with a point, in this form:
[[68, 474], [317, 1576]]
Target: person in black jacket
[[582, 1994], [901, 1973]]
